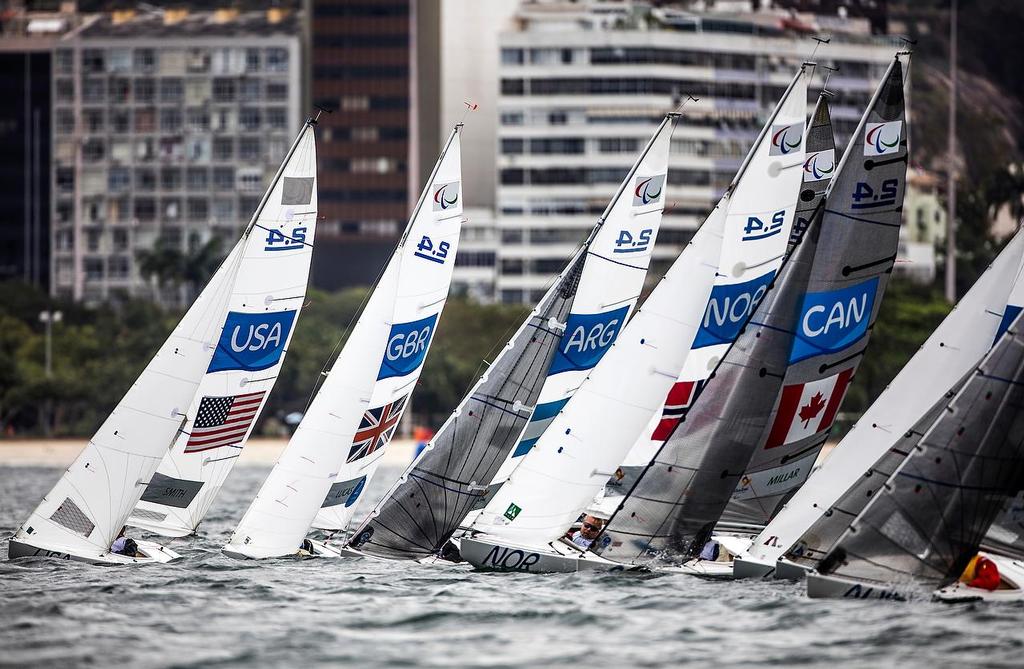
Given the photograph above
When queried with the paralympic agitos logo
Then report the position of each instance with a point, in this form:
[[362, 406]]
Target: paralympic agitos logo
[[647, 189], [446, 195], [786, 139], [882, 138], [820, 165]]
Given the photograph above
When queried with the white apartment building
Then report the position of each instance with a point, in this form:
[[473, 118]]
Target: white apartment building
[[167, 125], [583, 85]]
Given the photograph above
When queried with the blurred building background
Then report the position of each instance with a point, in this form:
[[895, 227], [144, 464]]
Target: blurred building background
[[168, 120]]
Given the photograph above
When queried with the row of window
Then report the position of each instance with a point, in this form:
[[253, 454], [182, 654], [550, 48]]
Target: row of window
[[226, 60], [172, 90], [566, 235], [517, 176], [375, 71], [351, 103], [638, 86], [725, 148], [174, 120], [123, 209], [367, 195]]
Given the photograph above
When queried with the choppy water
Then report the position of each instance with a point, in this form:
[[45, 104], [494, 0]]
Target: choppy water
[[210, 610]]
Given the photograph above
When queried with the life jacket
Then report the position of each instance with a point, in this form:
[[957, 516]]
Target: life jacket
[[981, 573]]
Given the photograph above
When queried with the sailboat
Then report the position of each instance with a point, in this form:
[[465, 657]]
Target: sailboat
[[269, 291], [812, 520], [925, 525], [510, 406], [819, 166], [88, 507], [334, 452], [701, 303]]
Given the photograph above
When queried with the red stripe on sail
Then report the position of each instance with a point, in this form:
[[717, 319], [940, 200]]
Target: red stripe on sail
[[835, 399], [788, 405]]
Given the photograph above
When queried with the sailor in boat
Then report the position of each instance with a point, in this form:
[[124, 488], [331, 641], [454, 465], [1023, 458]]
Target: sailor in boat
[[982, 573], [125, 546], [589, 530]]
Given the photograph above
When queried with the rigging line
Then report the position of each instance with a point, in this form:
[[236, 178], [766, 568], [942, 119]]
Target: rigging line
[[797, 454], [830, 365], [847, 270], [862, 220], [615, 262]]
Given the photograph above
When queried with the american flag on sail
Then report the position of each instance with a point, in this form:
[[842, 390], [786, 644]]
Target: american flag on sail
[[376, 429], [223, 421], [679, 399]]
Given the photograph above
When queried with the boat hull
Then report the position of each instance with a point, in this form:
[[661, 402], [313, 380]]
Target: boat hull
[[493, 555], [154, 553], [790, 571], [1012, 573], [834, 587], [719, 571], [751, 569]]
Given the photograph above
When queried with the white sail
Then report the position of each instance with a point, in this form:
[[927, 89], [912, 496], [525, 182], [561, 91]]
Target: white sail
[[86, 509], [702, 302], [947, 356], [339, 442], [263, 310]]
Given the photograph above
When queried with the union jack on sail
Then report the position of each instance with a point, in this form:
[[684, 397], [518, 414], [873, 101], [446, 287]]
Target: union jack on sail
[[376, 429], [223, 421]]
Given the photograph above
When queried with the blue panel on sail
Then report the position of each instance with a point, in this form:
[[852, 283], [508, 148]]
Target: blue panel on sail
[[252, 342]]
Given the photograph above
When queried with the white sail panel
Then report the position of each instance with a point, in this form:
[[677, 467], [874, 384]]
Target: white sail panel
[[427, 259], [386, 348], [589, 439], [88, 506], [262, 317], [949, 353]]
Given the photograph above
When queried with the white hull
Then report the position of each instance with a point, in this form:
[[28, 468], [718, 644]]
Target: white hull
[[153, 552], [742, 568], [834, 587], [790, 571], [1012, 573], [497, 555], [703, 569]]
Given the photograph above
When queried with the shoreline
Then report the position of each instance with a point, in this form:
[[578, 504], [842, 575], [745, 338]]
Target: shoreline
[[262, 451]]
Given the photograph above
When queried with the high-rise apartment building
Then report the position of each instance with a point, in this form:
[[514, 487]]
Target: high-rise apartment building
[[167, 127], [374, 62], [582, 85]]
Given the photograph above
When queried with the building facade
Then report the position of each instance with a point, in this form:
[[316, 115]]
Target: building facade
[[167, 127], [582, 86]]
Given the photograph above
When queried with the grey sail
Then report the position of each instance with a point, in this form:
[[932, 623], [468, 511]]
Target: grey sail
[[820, 537], [930, 517], [860, 239], [427, 504], [660, 517], [1006, 535], [819, 166]]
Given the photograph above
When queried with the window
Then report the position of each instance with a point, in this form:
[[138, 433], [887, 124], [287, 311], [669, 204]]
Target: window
[[197, 119], [197, 178], [64, 240], [223, 148], [277, 90], [172, 149], [120, 121], [252, 60], [93, 269], [93, 119], [512, 87], [172, 89], [145, 179], [119, 179], [145, 60], [93, 150], [277, 118], [145, 120], [224, 178], [511, 118], [511, 56], [145, 209], [250, 180], [223, 90], [249, 148], [277, 60], [171, 208], [65, 179], [64, 61], [170, 120], [170, 178], [197, 61], [117, 267], [198, 209], [92, 239], [119, 60], [65, 122], [120, 90], [65, 90], [92, 61], [119, 239], [249, 119], [249, 90], [197, 149], [365, 134], [512, 146], [224, 210], [94, 90], [511, 296]]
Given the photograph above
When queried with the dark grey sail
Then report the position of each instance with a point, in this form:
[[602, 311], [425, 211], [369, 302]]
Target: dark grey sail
[[823, 534], [819, 165], [730, 414], [930, 517], [860, 239], [427, 504]]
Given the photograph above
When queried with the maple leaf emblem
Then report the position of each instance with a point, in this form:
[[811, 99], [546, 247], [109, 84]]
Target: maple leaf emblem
[[813, 408]]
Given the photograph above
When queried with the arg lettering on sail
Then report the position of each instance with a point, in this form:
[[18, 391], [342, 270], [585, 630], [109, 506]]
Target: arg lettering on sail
[[407, 347], [729, 308], [586, 338], [251, 342], [830, 321]]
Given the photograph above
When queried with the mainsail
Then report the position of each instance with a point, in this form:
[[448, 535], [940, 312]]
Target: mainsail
[[745, 238], [928, 520], [268, 293], [338, 439], [860, 239], [943, 360], [539, 369], [819, 166]]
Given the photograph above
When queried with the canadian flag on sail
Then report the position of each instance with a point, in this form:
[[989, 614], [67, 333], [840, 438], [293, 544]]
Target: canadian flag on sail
[[808, 408]]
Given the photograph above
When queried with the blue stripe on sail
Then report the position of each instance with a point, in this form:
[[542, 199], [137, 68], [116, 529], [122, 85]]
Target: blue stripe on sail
[[524, 447], [547, 410]]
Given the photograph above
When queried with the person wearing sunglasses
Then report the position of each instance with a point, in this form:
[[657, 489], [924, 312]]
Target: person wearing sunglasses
[[588, 531]]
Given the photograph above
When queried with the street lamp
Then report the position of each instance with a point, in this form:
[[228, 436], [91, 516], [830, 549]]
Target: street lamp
[[49, 318]]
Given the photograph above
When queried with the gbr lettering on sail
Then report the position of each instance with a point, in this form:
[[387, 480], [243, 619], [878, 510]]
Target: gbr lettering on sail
[[831, 321]]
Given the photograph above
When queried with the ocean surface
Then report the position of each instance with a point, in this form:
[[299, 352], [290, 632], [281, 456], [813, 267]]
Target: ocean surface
[[212, 611]]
